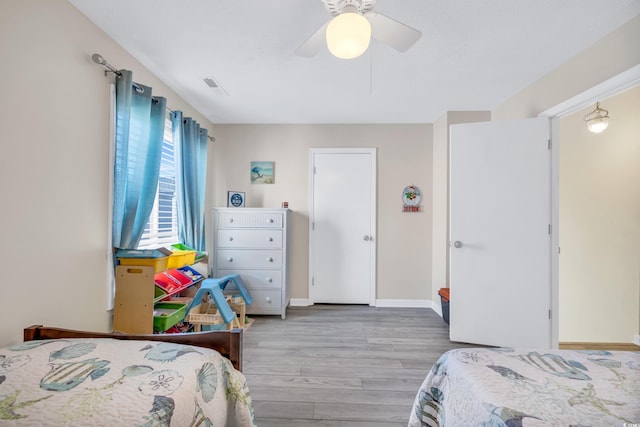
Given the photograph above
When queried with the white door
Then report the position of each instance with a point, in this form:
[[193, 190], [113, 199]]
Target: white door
[[342, 226], [500, 249]]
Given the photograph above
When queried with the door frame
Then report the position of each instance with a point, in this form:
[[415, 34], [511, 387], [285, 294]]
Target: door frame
[[373, 215], [608, 88]]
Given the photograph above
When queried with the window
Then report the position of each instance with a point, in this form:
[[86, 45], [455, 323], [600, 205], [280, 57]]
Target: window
[[162, 228]]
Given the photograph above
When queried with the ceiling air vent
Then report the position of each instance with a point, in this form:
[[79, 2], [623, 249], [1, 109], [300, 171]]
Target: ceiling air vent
[[210, 82], [214, 85]]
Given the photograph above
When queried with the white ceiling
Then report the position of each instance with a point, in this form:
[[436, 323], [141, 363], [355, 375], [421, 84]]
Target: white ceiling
[[473, 54]]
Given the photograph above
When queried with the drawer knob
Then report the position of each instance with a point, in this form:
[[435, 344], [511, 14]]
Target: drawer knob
[[269, 279], [271, 239], [230, 219], [269, 259], [267, 299], [271, 220], [231, 239], [230, 259]]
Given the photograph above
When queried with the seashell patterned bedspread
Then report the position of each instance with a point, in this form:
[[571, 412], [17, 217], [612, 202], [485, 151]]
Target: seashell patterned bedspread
[[518, 387], [107, 382]]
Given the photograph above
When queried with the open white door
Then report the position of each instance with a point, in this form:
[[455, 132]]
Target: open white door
[[500, 219]]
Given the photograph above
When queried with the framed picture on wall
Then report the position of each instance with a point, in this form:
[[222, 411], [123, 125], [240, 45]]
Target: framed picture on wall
[[262, 172], [235, 199]]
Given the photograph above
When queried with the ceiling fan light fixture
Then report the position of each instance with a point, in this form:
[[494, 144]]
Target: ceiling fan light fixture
[[597, 120], [348, 35]]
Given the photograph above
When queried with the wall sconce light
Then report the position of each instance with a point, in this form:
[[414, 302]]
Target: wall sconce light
[[597, 120], [348, 34]]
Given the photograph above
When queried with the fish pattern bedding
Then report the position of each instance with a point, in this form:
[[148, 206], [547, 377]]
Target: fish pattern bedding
[[516, 387], [108, 382]]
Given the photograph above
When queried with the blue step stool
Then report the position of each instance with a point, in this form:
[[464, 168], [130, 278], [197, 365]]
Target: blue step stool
[[237, 280], [214, 288]]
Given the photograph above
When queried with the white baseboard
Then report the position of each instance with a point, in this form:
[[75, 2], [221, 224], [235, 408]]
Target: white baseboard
[[299, 302], [636, 339], [404, 303], [397, 303]]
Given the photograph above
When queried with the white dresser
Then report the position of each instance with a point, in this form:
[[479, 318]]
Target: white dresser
[[252, 242]]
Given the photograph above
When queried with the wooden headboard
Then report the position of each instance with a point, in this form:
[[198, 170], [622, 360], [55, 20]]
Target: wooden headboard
[[227, 343]]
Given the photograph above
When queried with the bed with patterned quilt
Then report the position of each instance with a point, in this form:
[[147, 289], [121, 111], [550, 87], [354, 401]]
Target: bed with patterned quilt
[[524, 387], [120, 382]]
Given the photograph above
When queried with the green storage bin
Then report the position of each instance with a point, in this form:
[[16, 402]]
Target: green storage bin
[[167, 314], [158, 294]]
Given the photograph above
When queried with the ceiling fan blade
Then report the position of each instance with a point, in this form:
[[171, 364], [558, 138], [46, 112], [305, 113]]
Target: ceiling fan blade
[[391, 32], [314, 43]]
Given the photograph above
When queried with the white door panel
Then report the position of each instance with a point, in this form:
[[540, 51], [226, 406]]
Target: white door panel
[[500, 214], [342, 229]]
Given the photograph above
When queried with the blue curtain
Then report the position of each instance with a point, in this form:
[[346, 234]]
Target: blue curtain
[[190, 142], [139, 132]]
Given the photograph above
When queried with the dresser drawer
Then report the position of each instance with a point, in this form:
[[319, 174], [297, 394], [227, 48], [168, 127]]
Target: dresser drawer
[[265, 300], [250, 220], [248, 258], [254, 238], [256, 278]]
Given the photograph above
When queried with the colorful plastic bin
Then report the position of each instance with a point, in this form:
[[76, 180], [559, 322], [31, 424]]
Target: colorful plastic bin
[[180, 258], [167, 314], [157, 258]]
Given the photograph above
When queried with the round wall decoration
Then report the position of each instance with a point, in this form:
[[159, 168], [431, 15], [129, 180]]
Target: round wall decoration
[[411, 199]]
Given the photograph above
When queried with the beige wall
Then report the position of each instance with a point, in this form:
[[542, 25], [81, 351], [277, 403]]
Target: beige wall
[[600, 224], [613, 54], [404, 155], [54, 116]]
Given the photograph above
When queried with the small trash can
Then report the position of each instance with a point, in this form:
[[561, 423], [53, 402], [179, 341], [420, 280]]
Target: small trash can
[[444, 300]]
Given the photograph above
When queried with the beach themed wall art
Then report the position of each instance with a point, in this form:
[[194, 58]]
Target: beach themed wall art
[[262, 172]]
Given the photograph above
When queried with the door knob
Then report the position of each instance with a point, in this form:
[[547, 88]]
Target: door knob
[[457, 244], [230, 259], [366, 238]]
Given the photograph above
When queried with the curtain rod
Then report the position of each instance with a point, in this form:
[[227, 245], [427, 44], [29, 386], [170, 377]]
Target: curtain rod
[[98, 59]]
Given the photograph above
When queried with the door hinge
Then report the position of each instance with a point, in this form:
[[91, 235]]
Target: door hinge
[[549, 228], [549, 145], [313, 225], [549, 314], [313, 281], [314, 170]]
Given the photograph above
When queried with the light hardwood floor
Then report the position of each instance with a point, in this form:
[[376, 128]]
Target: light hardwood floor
[[341, 365]]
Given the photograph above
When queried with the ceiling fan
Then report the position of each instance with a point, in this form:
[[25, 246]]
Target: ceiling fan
[[354, 23]]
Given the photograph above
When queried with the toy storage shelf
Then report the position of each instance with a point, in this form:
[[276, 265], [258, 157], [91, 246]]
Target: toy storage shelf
[[136, 297]]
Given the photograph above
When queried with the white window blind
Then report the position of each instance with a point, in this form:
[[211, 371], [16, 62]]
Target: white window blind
[[162, 228]]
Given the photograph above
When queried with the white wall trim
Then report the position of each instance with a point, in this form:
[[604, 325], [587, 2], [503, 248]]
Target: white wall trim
[[405, 303], [299, 302], [111, 278], [610, 87], [636, 339], [613, 86]]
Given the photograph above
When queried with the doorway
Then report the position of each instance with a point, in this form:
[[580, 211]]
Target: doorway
[[342, 225]]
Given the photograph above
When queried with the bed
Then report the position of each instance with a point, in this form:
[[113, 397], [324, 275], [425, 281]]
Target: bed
[[524, 387], [59, 377]]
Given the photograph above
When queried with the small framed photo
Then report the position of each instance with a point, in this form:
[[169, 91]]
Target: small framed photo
[[235, 199]]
